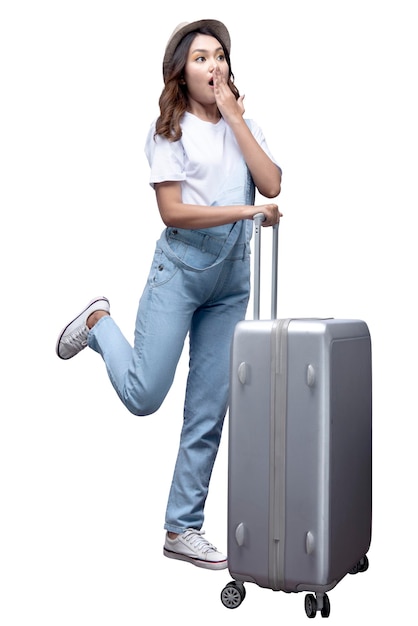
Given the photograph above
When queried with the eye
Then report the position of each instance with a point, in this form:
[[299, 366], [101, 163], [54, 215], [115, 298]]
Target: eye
[[200, 59], [221, 57]]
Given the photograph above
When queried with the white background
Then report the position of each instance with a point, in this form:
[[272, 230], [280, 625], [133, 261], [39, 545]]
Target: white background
[[84, 483]]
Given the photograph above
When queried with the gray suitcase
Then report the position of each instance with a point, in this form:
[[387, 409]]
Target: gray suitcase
[[300, 452]]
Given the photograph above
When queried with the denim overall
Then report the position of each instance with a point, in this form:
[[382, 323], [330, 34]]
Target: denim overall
[[199, 286]]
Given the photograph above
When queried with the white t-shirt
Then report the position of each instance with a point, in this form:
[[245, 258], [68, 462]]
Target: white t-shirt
[[205, 156]]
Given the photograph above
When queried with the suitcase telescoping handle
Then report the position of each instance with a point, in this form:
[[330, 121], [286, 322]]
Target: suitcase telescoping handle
[[258, 220]]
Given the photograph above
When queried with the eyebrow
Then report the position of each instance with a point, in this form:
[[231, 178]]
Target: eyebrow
[[204, 50]]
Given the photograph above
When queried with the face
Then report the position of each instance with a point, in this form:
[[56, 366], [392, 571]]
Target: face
[[205, 53]]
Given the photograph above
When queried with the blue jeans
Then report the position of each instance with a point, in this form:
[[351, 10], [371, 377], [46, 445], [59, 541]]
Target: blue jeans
[[189, 291]]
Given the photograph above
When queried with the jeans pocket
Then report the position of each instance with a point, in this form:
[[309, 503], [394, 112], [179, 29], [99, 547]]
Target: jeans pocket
[[162, 270]]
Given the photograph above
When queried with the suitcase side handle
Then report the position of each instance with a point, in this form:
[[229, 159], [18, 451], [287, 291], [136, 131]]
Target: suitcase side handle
[[258, 220]]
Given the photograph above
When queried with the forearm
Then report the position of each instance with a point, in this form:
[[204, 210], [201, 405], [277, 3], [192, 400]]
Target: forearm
[[266, 174], [196, 216], [177, 214]]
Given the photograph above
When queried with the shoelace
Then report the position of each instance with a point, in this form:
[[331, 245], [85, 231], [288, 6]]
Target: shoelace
[[195, 539], [79, 333]]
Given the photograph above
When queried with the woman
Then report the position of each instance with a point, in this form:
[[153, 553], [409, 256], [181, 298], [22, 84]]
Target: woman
[[205, 163]]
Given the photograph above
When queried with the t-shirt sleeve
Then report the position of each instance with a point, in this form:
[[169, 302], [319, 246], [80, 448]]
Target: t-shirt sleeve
[[165, 158]]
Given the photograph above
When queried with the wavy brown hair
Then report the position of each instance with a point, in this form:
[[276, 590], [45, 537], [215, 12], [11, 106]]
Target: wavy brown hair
[[173, 101]]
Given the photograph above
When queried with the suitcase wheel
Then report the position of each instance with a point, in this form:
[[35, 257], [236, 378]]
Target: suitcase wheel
[[361, 566], [320, 602], [233, 594]]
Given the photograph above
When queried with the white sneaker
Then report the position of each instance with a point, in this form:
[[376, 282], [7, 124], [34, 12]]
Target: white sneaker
[[190, 546], [73, 338]]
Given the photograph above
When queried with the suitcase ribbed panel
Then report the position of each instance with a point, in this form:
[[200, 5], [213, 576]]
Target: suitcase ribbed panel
[[278, 412]]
